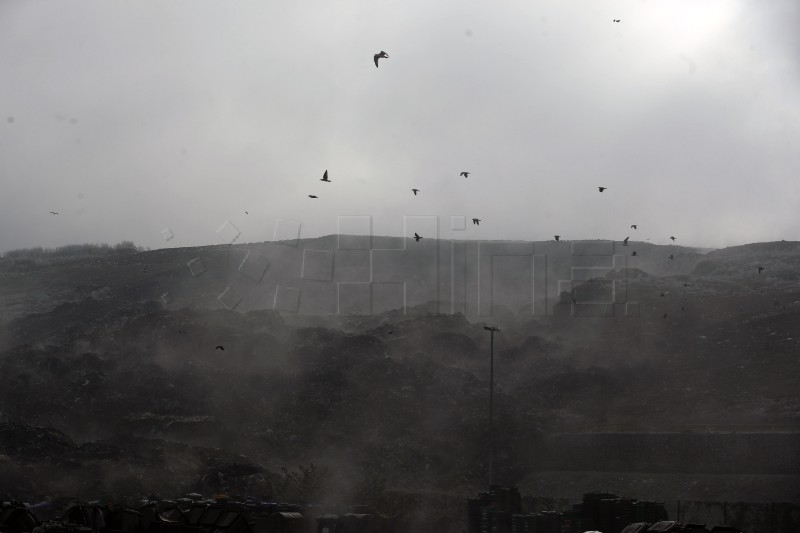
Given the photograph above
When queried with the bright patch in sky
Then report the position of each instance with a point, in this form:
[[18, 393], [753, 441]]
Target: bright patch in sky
[[685, 26]]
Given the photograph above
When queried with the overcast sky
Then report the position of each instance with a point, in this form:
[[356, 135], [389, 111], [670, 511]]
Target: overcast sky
[[131, 117]]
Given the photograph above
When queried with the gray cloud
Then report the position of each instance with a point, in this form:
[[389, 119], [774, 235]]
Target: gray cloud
[[187, 114]]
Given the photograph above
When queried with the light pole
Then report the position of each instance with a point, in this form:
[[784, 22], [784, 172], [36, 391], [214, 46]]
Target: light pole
[[491, 329]]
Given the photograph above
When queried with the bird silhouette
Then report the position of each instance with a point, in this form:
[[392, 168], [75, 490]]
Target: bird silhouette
[[476, 221], [415, 191], [465, 174], [671, 256], [633, 253], [417, 237], [312, 196], [615, 20], [663, 294], [760, 269], [376, 57], [625, 241], [601, 189], [634, 226], [246, 213], [666, 315], [672, 237], [53, 213], [220, 348], [556, 237], [687, 284], [325, 177]]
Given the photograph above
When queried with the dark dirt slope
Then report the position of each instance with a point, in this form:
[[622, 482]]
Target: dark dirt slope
[[125, 393]]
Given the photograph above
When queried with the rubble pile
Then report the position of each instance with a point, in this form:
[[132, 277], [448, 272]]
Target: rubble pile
[[190, 514], [498, 510]]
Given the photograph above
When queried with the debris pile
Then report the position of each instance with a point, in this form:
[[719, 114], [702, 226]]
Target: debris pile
[[499, 510], [190, 514]]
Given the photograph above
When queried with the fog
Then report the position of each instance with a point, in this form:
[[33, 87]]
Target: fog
[[128, 118], [178, 315]]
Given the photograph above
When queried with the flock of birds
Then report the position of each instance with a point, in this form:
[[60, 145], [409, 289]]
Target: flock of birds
[[417, 237], [476, 221]]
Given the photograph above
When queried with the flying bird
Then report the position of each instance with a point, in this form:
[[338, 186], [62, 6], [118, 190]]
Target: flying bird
[[672, 237], [760, 269], [633, 253], [666, 315], [220, 348], [312, 196], [476, 221], [663, 294], [246, 213], [615, 20], [465, 174], [625, 241], [671, 256], [379, 56], [634, 226], [325, 177], [417, 237], [687, 284], [415, 191], [53, 213], [601, 189], [556, 237]]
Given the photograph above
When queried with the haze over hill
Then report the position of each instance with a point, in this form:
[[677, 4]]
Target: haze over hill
[[371, 273], [116, 353], [585, 176]]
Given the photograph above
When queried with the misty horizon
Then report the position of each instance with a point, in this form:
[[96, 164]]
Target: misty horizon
[[699, 249]]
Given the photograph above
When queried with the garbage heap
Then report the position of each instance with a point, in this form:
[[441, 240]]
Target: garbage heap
[[492, 510], [188, 515], [499, 511], [669, 526]]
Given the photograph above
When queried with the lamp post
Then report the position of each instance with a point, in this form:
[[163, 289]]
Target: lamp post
[[491, 329]]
